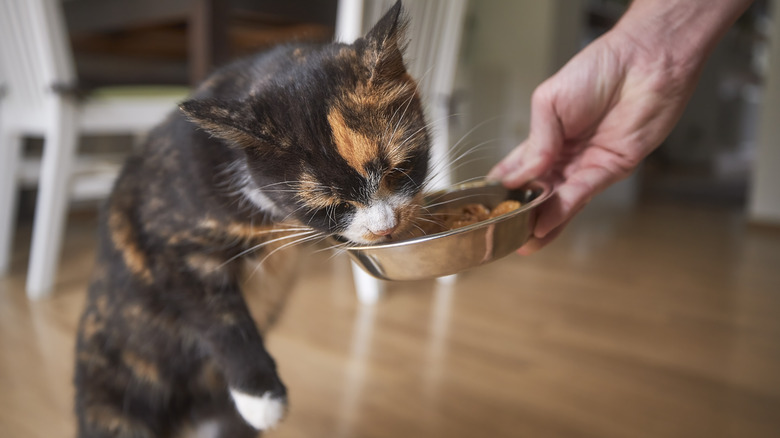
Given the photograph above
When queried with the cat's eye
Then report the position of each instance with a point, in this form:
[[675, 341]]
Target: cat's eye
[[394, 176], [343, 206]]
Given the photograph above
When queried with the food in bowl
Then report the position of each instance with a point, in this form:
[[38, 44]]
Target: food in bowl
[[435, 254], [453, 217]]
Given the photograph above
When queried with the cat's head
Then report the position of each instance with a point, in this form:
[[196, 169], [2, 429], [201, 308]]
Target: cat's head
[[333, 136]]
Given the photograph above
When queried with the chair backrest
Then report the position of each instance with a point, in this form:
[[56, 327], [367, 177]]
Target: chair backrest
[[34, 51], [435, 30]]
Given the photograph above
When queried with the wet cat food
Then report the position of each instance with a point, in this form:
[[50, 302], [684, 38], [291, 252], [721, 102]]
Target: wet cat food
[[452, 218]]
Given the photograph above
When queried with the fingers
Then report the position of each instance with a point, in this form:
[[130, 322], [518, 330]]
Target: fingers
[[535, 156], [551, 214], [535, 244], [508, 164], [569, 198]]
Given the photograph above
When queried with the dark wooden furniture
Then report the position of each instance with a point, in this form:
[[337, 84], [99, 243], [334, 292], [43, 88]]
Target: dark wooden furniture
[[207, 33]]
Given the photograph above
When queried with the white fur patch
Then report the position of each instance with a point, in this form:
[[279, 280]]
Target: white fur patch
[[260, 412], [379, 216], [239, 178], [259, 199]]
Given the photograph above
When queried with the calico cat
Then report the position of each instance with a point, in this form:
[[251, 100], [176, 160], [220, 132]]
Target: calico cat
[[300, 142]]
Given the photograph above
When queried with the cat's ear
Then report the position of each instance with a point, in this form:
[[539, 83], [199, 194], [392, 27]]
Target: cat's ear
[[386, 42], [230, 121]]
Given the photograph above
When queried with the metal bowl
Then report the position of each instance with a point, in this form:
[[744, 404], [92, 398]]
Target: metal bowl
[[452, 251]]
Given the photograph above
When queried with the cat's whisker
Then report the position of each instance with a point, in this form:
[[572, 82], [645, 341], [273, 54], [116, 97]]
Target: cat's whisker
[[308, 232], [411, 136], [468, 180], [276, 184], [467, 162], [471, 131], [395, 129], [340, 248], [457, 183], [446, 164], [427, 215], [426, 126], [460, 198], [259, 264], [335, 246], [279, 190], [473, 149], [438, 167], [277, 229], [420, 228], [428, 220], [284, 246], [406, 105], [330, 211], [265, 243], [406, 174], [293, 213]]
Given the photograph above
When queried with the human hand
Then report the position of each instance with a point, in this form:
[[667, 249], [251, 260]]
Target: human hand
[[593, 122]]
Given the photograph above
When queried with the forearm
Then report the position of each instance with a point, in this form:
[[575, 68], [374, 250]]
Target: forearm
[[685, 31]]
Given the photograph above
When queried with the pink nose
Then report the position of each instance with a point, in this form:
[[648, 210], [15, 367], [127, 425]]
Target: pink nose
[[384, 232]]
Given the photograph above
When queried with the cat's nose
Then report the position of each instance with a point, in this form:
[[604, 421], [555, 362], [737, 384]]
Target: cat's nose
[[385, 232]]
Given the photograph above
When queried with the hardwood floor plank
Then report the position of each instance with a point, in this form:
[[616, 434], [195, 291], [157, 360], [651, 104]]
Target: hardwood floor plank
[[656, 322]]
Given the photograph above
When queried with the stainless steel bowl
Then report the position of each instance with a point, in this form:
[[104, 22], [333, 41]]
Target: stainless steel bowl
[[452, 251]]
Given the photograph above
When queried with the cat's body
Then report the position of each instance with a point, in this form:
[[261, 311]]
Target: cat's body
[[303, 141]]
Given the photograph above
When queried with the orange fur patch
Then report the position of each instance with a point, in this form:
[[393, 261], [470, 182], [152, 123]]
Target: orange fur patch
[[91, 359], [141, 368], [355, 148], [312, 192], [237, 230], [91, 325], [123, 237], [377, 99], [204, 264]]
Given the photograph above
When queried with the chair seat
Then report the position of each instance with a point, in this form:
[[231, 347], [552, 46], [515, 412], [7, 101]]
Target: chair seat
[[92, 176], [121, 109], [108, 110]]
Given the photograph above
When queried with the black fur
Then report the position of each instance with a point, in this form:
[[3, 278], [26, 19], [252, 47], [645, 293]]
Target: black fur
[[166, 330]]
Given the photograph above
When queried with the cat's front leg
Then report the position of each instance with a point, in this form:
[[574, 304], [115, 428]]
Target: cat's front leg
[[257, 391], [225, 327], [262, 412], [255, 387]]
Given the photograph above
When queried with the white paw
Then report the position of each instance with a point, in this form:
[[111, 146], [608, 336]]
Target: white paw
[[260, 412]]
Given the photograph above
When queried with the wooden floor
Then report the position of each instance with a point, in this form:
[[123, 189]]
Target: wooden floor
[[663, 321]]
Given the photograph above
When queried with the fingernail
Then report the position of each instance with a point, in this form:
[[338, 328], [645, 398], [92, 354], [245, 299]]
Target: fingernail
[[495, 174], [516, 175]]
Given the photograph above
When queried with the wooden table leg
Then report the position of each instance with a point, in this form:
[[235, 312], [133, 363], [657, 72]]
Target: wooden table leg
[[207, 38]]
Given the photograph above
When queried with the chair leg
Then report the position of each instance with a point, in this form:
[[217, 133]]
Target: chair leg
[[51, 207], [10, 149], [368, 288]]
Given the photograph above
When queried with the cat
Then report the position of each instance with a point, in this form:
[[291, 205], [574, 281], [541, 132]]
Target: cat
[[297, 143]]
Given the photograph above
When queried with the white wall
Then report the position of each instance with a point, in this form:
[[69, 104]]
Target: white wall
[[509, 47], [764, 204]]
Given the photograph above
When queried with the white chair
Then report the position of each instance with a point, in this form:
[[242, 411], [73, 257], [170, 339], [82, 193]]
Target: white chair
[[35, 62], [434, 40]]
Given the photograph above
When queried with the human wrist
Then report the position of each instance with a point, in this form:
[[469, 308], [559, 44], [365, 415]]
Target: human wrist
[[684, 32]]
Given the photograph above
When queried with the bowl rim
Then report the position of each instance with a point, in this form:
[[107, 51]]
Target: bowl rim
[[547, 191]]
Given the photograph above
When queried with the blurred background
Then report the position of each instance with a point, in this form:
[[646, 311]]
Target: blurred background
[[654, 314]]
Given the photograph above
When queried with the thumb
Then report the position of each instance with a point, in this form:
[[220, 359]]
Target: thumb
[[536, 155]]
